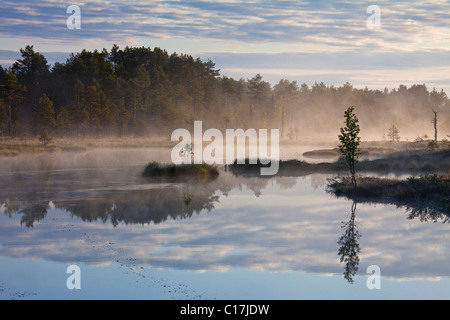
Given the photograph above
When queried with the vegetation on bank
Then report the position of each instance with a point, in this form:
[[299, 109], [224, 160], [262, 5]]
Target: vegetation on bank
[[430, 191], [424, 194], [378, 149], [200, 171], [15, 147], [18, 146], [424, 162]]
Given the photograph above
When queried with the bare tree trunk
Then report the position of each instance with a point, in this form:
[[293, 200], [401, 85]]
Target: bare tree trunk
[[251, 116], [134, 107], [271, 112], [435, 124], [226, 100], [353, 172], [9, 117]]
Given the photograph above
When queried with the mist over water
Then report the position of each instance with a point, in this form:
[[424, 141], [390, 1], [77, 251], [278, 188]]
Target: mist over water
[[124, 157], [94, 158], [85, 139]]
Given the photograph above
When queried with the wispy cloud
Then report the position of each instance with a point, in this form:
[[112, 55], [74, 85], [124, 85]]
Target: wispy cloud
[[257, 27], [337, 23]]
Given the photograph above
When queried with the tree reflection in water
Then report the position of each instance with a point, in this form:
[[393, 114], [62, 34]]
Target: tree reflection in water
[[155, 206], [427, 214], [140, 202], [349, 246]]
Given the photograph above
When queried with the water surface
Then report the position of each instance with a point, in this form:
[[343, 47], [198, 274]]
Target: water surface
[[236, 237]]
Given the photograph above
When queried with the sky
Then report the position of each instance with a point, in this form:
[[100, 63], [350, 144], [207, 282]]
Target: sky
[[305, 41]]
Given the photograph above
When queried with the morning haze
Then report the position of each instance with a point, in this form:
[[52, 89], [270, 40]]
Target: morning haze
[[224, 150]]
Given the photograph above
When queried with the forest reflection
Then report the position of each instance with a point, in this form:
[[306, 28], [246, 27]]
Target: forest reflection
[[143, 202], [139, 204]]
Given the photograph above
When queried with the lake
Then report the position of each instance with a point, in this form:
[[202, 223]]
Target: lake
[[236, 237]]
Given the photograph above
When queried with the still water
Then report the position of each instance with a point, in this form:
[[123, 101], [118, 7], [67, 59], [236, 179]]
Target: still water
[[237, 237]]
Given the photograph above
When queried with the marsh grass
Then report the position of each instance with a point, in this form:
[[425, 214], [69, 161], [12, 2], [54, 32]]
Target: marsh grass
[[22, 145], [432, 191], [412, 162], [8, 152], [424, 162], [378, 149], [199, 171]]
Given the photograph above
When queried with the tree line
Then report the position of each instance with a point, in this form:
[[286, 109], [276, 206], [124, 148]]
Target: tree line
[[143, 91]]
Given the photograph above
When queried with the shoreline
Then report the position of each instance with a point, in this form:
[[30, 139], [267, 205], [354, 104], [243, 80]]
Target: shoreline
[[428, 194]]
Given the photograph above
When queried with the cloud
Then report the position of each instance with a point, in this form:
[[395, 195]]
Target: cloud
[[375, 70], [331, 33], [315, 23]]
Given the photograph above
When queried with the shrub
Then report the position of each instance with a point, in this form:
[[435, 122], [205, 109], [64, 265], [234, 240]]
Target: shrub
[[45, 138], [201, 171]]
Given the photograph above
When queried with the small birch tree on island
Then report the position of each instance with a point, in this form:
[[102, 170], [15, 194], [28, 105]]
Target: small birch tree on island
[[350, 141]]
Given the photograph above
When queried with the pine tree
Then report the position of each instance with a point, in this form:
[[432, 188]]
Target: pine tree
[[259, 93], [44, 116], [3, 118], [63, 122], [96, 109], [285, 93], [33, 72], [123, 118], [139, 88], [12, 92], [77, 114]]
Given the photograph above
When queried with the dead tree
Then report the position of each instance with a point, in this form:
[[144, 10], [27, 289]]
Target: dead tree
[[435, 120]]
